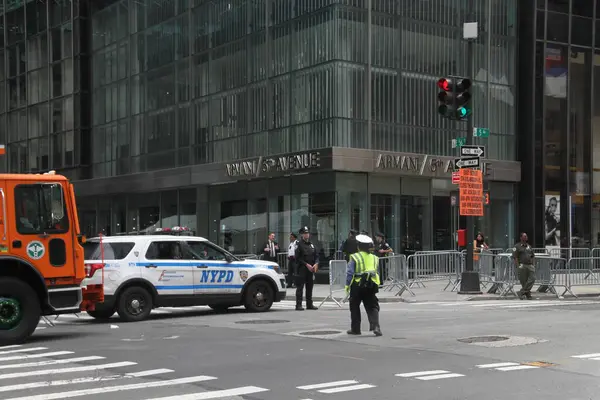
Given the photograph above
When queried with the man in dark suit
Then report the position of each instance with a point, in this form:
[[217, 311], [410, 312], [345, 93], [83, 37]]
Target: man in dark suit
[[270, 249]]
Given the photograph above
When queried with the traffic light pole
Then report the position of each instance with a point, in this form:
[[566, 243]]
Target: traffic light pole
[[469, 283]]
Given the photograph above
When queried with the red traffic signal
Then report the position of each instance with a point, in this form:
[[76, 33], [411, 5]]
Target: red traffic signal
[[444, 84]]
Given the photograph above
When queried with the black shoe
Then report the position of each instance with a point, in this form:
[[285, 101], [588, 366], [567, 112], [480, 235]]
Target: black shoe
[[371, 328], [311, 307], [529, 297], [299, 308], [351, 332], [377, 331], [520, 295]]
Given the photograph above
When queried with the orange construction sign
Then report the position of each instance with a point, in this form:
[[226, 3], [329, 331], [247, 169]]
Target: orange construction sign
[[471, 192]]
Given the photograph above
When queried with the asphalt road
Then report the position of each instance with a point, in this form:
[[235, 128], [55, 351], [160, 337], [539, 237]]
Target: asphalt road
[[547, 351]]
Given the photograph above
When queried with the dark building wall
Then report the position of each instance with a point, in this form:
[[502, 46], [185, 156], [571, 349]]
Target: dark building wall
[[178, 83], [41, 86], [559, 128]]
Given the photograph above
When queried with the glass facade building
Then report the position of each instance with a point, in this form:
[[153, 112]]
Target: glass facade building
[[560, 104], [169, 95]]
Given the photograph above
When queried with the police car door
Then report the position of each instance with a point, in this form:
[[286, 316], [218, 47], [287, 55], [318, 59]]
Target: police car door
[[163, 265], [212, 273]]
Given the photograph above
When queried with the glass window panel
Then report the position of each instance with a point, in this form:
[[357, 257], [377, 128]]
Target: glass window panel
[[57, 150], [581, 31], [585, 8], [22, 90], [13, 58], [16, 21], [557, 27], [22, 58], [2, 65], [57, 80], [169, 217]]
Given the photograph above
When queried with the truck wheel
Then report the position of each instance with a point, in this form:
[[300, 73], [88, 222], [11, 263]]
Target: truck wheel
[[102, 313], [134, 304], [259, 296], [19, 311]]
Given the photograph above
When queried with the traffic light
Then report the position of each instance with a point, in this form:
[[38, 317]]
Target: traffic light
[[454, 98]]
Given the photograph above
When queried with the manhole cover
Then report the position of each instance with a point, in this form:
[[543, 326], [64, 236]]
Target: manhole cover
[[263, 321], [319, 333], [483, 339]]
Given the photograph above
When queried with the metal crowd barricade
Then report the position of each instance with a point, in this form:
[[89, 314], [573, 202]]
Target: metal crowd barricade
[[582, 271], [393, 273], [434, 266], [337, 282], [550, 273]]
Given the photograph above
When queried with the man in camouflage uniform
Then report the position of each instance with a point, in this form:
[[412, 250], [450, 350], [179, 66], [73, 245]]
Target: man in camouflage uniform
[[525, 261]]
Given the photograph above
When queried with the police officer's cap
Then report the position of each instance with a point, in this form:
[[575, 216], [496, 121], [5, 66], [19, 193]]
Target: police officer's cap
[[304, 230], [364, 239]]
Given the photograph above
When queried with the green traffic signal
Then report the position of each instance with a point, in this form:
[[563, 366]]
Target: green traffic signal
[[463, 112]]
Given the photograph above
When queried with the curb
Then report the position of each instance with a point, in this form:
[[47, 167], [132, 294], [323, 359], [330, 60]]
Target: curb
[[538, 295], [381, 300]]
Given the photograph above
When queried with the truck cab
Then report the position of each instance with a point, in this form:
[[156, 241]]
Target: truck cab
[[41, 256]]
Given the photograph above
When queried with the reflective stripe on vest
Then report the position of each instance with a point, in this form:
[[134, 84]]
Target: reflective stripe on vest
[[361, 263]]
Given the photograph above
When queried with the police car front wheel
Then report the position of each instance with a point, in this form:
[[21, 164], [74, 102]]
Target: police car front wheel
[[135, 304], [259, 296]]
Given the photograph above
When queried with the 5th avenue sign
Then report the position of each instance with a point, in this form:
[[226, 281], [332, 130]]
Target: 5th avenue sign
[[275, 164]]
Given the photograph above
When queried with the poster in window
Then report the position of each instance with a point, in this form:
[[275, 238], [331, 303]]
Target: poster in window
[[552, 221]]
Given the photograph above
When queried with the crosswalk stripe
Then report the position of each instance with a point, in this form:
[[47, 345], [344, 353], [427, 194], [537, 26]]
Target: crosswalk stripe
[[12, 346], [216, 394], [347, 388], [64, 382], [434, 377], [497, 365], [516, 368], [23, 350], [113, 389], [422, 373], [51, 362], [39, 355], [66, 370], [325, 385], [587, 355]]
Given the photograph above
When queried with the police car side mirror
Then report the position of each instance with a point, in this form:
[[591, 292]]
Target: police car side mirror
[[228, 258]]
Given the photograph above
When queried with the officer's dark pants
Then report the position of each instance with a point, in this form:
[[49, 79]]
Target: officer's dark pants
[[304, 277], [291, 272], [527, 279], [383, 269], [369, 298]]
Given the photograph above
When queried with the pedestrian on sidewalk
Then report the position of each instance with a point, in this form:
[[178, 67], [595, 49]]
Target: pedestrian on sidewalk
[[524, 257], [307, 264], [382, 250], [292, 259], [362, 283], [479, 245]]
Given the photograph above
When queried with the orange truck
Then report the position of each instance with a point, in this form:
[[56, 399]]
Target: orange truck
[[41, 254]]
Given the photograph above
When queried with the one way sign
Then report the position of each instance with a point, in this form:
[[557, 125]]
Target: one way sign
[[466, 162], [477, 151]]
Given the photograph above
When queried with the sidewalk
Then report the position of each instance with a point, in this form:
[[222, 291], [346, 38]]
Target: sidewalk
[[433, 292]]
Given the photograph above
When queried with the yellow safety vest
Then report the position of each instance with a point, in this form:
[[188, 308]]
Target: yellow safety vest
[[365, 263]]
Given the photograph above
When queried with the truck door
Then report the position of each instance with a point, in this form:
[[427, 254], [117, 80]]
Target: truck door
[[39, 227], [4, 237]]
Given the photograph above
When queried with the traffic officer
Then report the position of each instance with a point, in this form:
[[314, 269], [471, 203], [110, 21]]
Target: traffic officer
[[362, 282], [524, 257], [307, 264], [292, 259]]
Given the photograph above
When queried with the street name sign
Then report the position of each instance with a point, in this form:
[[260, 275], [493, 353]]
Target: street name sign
[[481, 132], [477, 151], [466, 162]]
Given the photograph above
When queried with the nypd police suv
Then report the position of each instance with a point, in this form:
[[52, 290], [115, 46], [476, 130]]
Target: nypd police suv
[[149, 271]]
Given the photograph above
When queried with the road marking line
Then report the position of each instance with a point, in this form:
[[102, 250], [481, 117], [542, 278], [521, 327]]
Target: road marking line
[[67, 370], [52, 362], [505, 364], [326, 385], [433, 377], [422, 373], [516, 368], [346, 388], [587, 355], [216, 394], [76, 381], [23, 350], [39, 355], [12, 346], [122, 388]]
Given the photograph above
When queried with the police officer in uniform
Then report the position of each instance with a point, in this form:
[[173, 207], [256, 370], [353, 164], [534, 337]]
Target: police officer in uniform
[[307, 264], [362, 282], [524, 257]]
